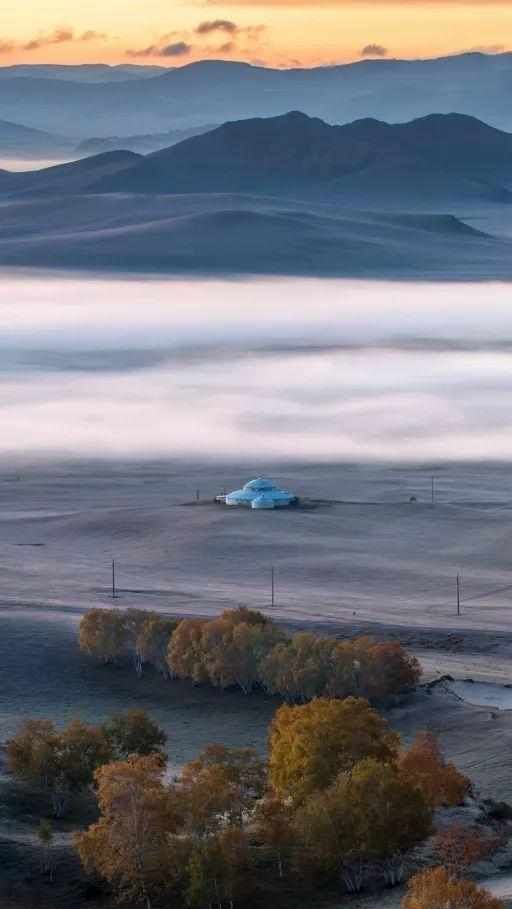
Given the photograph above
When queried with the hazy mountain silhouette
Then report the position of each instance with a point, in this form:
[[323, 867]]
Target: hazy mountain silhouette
[[140, 101], [72, 178], [285, 195], [81, 72], [438, 158], [143, 144], [17, 141]]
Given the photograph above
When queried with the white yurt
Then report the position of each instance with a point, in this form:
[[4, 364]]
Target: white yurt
[[261, 494]]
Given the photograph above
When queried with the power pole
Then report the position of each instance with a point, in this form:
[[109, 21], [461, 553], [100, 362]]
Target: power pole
[[273, 586], [458, 594], [114, 594]]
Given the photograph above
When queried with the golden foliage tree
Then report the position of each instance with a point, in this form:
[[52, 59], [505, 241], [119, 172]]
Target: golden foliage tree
[[133, 845], [299, 669], [437, 889], [233, 651], [103, 634], [185, 655], [311, 744], [441, 782], [153, 640], [369, 818]]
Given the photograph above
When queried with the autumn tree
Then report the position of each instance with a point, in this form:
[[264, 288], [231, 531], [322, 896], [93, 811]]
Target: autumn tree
[[436, 889], [299, 669], [133, 845], [273, 826], [459, 847], [218, 870], [152, 643], [185, 654], [311, 744], [103, 634], [369, 818], [61, 763], [385, 669], [308, 666], [441, 782], [221, 785], [133, 623], [233, 651], [244, 616], [134, 732]]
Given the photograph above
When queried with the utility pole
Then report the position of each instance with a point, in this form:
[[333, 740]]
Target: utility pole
[[458, 594], [433, 490], [197, 495], [273, 585], [114, 594]]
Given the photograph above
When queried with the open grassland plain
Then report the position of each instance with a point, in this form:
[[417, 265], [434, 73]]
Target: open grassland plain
[[357, 556], [357, 552]]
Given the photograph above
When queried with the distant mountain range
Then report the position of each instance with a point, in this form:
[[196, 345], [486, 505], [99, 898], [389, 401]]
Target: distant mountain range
[[436, 162], [144, 144], [23, 142], [284, 195], [84, 72], [82, 101]]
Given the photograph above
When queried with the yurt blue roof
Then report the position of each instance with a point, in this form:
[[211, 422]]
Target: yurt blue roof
[[260, 485]]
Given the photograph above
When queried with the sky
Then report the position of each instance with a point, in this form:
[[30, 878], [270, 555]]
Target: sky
[[269, 32]]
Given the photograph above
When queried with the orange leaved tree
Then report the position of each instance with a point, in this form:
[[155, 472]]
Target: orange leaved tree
[[133, 845], [311, 744], [440, 782], [368, 820], [437, 889], [459, 847]]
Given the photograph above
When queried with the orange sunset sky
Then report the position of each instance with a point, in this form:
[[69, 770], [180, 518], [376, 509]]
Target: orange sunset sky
[[271, 32]]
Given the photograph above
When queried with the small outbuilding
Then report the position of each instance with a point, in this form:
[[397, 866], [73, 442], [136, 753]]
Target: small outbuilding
[[260, 494]]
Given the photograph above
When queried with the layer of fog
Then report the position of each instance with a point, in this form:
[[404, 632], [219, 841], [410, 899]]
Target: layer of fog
[[292, 369], [22, 165]]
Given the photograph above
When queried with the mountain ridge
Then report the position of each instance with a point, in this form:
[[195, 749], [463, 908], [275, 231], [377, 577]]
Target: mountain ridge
[[216, 91], [454, 155]]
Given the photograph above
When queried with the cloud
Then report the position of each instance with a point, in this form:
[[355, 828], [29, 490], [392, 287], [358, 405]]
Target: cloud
[[176, 49], [91, 35], [179, 44], [217, 25], [58, 36], [374, 50]]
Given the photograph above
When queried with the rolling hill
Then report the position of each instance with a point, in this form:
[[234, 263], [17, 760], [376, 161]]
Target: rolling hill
[[285, 195], [75, 177], [438, 161], [242, 234], [88, 102]]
